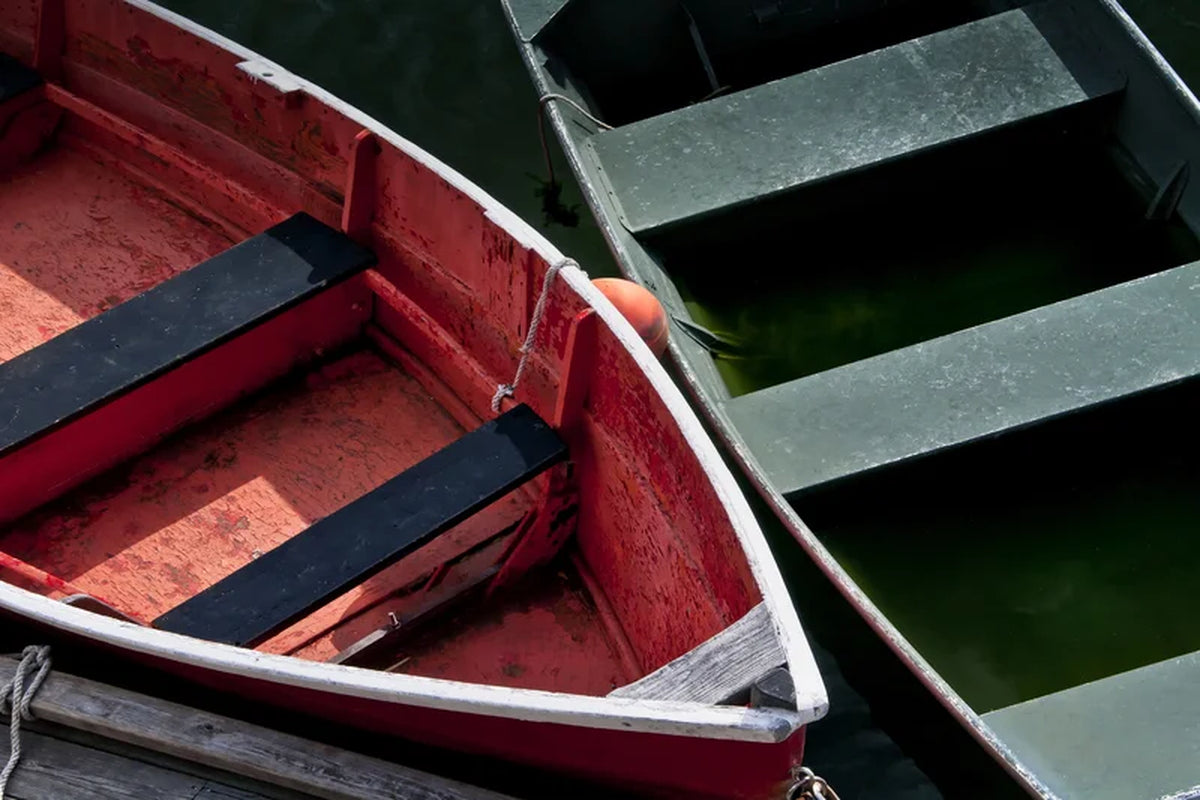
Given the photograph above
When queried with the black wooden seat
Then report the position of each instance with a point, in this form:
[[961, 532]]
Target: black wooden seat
[[352, 544], [176, 321]]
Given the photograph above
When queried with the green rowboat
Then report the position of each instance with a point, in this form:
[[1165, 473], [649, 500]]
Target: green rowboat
[[934, 277]]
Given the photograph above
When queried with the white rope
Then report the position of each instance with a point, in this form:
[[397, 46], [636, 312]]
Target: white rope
[[508, 389], [15, 697], [548, 96]]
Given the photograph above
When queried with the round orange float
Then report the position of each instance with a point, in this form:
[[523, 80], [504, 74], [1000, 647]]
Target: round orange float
[[640, 307]]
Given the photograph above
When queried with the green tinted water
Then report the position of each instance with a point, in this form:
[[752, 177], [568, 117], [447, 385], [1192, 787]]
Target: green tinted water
[[970, 245], [1030, 565]]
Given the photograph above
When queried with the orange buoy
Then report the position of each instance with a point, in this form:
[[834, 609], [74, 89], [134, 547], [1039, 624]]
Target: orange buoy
[[640, 307]]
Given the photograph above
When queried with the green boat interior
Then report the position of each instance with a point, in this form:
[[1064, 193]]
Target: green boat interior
[[937, 265]]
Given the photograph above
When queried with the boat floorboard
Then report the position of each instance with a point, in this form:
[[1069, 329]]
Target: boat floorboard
[[149, 535], [545, 635], [78, 236]]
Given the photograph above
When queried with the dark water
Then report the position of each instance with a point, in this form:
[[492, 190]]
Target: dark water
[[917, 251], [1041, 561], [442, 73], [1015, 608], [993, 231]]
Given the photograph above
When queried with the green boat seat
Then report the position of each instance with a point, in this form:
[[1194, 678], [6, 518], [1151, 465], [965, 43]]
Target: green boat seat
[[976, 383], [846, 117], [1135, 734]]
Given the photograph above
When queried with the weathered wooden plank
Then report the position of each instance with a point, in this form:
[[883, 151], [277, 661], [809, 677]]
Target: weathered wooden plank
[[216, 783], [724, 666], [216, 791], [52, 768], [233, 746]]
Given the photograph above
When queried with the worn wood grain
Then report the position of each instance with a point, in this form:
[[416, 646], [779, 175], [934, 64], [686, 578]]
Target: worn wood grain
[[720, 668], [53, 768], [230, 745], [216, 783], [215, 791]]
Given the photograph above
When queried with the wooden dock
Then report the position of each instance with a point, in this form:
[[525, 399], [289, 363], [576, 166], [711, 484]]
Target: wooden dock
[[95, 741]]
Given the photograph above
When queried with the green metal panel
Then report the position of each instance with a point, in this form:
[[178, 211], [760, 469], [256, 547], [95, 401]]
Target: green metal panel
[[976, 383], [1133, 736], [843, 117], [530, 16]]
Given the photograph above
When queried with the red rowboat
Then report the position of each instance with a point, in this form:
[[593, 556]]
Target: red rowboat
[[250, 430]]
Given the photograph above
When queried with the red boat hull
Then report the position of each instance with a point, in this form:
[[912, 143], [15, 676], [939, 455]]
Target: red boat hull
[[159, 108], [647, 764]]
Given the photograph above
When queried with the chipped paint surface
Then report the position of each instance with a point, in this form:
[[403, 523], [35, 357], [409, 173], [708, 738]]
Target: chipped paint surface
[[543, 634], [77, 237], [151, 534]]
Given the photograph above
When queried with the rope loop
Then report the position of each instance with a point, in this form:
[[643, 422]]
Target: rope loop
[[15, 699], [509, 389]]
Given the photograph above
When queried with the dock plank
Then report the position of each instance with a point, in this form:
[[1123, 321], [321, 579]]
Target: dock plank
[[53, 768], [232, 746]]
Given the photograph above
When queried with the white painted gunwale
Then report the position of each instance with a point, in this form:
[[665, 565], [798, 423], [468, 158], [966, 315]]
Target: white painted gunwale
[[680, 719]]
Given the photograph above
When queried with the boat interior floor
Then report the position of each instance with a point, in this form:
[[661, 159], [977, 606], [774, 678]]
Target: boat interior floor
[[82, 231], [1045, 559], [80, 234], [154, 532]]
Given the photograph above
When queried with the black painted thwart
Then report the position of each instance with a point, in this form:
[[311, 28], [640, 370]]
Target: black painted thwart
[[352, 544], [176, 321]]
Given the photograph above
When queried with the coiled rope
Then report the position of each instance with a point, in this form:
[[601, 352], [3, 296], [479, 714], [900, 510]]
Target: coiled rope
[[508, 389], [15, 697]]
